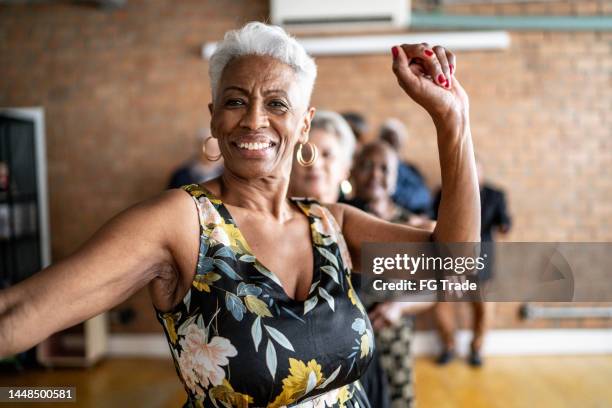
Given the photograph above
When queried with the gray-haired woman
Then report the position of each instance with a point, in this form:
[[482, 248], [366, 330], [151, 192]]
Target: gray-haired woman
[[252, 288], [334, 142]]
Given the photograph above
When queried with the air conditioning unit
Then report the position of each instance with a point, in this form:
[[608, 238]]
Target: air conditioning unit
[[326, 15]]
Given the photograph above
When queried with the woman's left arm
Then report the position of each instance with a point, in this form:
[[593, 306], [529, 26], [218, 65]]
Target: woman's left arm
[[423, 74]]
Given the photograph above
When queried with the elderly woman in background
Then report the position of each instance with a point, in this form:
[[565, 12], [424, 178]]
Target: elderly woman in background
[[334, 139], [375, 174], [253, 289], [334, 142]]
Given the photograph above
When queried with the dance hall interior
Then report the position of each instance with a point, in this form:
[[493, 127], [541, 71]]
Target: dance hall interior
[[111, 111]]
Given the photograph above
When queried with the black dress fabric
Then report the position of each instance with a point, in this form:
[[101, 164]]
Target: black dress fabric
[[238, 340]]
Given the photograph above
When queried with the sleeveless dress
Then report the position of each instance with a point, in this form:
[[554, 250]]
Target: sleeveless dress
[[238, 340]]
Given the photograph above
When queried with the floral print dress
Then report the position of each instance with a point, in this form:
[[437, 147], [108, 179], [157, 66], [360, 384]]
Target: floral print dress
[[238, 340]]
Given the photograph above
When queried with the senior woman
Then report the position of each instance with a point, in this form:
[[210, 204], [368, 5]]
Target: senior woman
[[334, 141], [251, 287], [375, 175]]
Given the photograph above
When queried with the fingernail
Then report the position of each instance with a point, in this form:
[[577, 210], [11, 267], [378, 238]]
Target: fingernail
[[452, 68], [395, 52], [442, 79]]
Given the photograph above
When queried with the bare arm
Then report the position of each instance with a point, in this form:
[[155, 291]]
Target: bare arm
[[131, 250], [420, 72]]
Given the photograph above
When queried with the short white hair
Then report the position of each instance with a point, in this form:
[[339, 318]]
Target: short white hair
[[257, 38], [335, 124]]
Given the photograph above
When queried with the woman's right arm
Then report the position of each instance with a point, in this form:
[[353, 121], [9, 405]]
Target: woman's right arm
[[146, 242]]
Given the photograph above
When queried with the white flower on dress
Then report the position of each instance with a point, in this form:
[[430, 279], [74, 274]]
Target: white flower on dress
[[201, 361], [327, 400], [208, 213], [219, 235]]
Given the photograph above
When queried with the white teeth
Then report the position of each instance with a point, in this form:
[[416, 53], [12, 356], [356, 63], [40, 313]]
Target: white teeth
[[254, 146]]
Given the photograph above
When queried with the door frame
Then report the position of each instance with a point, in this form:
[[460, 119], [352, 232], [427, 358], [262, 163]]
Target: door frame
[[37, 116]]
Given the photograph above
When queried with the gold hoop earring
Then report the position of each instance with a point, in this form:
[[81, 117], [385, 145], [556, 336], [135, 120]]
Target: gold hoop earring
[[213, 158], [314, 153]]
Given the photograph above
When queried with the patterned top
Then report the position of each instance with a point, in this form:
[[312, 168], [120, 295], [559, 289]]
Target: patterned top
[[238, 340]]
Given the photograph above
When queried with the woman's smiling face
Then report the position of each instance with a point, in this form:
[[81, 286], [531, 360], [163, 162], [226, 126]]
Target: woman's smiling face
[[259, 114]]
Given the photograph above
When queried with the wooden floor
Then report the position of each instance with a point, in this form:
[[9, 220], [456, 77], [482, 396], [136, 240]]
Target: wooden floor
[[584, 381]]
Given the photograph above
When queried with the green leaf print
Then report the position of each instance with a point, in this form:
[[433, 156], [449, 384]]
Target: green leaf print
[[245, 289], [271, 358], [279, 337], [310, 304], [256, 333], [247, 258], [331, 271], [331, 378], [328, 298], [329, 256], [224, 252], [267, 273], [227, 270], [234, 305]]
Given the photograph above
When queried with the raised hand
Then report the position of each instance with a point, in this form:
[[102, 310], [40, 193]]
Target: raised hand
[[427, 75]]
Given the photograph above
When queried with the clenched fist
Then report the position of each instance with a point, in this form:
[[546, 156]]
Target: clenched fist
[[427, 75]]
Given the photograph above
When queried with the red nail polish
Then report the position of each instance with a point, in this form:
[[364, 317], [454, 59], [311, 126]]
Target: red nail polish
[[442, 79], [452, 68], [395, 52], [429, 53]]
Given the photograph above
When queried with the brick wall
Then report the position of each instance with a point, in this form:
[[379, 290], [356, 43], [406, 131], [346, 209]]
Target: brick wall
[[125, 91]]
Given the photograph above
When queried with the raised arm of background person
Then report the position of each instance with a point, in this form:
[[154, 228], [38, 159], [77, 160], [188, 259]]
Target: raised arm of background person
[[138, 246], [426, 75]]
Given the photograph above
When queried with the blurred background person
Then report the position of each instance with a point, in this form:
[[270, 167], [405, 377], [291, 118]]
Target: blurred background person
[[4, 176], [411, 192], [335, 142], [495, 219], [359, 126], [375, 174], [204, 165]]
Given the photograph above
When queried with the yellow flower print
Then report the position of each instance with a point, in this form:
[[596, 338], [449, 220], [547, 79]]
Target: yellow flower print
[[226, 394], [202, 282], [257, 306], [343, 396], [365, 345], [169, 322], [302, 379], [354, 299], [195, 190], [235, 238]]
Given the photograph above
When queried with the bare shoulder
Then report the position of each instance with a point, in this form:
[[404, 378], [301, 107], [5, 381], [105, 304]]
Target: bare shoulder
[[344, 213], [338, 211], [176, 217]]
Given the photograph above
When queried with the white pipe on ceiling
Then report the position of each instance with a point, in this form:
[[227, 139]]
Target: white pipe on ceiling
[[381, 44]]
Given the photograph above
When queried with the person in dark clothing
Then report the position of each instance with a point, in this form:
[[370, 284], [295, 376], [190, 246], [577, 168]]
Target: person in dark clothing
[[375, 173], [411, 192], [495, 218], [203, 166]]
